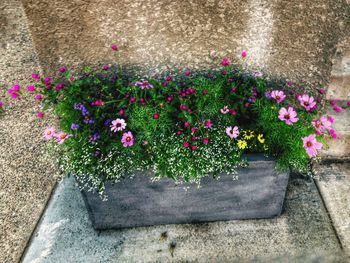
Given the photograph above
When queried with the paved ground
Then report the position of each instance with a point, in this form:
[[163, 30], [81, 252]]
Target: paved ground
[[303, 231], [333, 180]]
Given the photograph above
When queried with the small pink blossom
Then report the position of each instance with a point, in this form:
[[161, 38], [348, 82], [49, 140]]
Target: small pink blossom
[[14, 95], [333, 102], [225, 110], [16, 88], [49, 133], [208, 124], [288, 116], [62, 69], [40, 114], [232, 132], [168, 78], [35, 76], [187, 72], [278, 95], [332, 134], [105, 67], [193, 129], [308, 102], [225, 62], [311, 145], [186, 144], [118, 125], [348, 103], [205, 140], [127, 139], [337, 109], [38, 97], [244, 54], [330, 119], [114, 47], [97, 103], [186, 124], [31, 88], [1, 104]]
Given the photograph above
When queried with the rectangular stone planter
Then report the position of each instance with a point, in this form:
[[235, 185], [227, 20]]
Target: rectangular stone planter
[[258, 191]]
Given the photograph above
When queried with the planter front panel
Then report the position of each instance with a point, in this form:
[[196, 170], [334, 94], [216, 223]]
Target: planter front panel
[[258, 192]]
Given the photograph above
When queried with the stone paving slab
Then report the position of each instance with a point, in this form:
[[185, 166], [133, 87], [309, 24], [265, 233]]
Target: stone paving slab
[[333, 181], [303, 233]]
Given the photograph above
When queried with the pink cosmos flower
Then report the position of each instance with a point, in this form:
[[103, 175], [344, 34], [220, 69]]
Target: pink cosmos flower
[[144, 84], [225, 110], [308, 102], [114, 47], [31, 88], [127, 139], [244, 54], [61, 137], [118, 125], [208, 124], [225, 62], [232, 132], [311, 145], [49, 133], [321, 124], [278, 95], [288, 116]]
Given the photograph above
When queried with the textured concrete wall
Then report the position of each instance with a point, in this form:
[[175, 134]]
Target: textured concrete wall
[[295, 39]]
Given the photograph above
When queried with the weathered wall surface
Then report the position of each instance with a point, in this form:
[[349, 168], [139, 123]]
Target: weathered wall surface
[[295, 39], [26, 177]]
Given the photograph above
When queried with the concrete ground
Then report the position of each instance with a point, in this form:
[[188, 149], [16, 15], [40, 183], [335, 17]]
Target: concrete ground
[[303, 233]]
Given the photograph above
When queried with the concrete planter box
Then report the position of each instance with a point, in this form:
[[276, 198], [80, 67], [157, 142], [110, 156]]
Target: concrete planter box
[[257, 192]]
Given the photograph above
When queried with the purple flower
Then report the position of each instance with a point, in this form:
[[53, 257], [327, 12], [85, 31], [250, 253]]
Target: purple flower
[[74, 126], [268, 94], [59, 86], [127, 139], [81, 107], [94, 137], [62, 69]]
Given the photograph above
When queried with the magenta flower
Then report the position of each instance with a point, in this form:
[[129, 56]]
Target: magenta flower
[[333, 102], [225, 62], [337, 109], [205, 140], [105, 67], [288, 116], [16, 88], [14, 95], [97, 103], [308, 102], [62, 69], [278, 95], [38, 97], [31, 88], [244, 54], [311, 145], [332, 134], [127, 139], [232, 132], [40, 114], [35, 76], [186, 144], [187, 72], [61, 137], [49, 133], [168, 78], [1, 104], [118, 125], [208, 124], [114, 47], [225, 110], [348, 103]]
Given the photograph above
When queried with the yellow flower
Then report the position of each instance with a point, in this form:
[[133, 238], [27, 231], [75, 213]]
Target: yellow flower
[[242, 144], [260, 138], [248, 134]]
